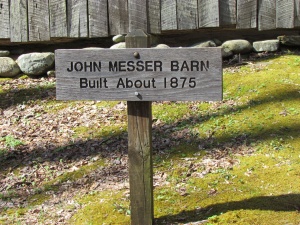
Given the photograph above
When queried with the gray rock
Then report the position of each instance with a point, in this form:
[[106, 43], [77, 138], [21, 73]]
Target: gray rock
[[226, 52], [51, 73], [119, 45], [204, 44], [237, 46], [161, 46], [36, 63], [8, 67], [4, 53], [118, 38], [217, 42], [293, 40], [266, 46]]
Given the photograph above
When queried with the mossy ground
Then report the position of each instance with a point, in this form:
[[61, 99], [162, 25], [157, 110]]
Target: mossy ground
[[257, 126], [261, 105]]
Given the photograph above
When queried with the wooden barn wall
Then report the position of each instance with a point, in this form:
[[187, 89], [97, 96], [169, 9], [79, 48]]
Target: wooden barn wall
[[41, 20]]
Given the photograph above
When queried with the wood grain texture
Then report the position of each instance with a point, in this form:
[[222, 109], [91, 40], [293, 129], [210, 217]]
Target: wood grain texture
[[187, 14], [98, 18], [4, 19], [154, 9], [246, 14], [297, 13], [285, 13], [207, 86], [227, 13], [168, 15], [118, 17], [38, 20], [18, 21], [138, 16], [58, 18], [77, 18], [266, 14], [101, 18], [208, 13], [140, 148], [137, 39], [140, 162]]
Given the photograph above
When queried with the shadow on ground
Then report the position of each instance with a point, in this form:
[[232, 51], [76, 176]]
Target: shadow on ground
[[117, 142], [24, 95], [286, 203]]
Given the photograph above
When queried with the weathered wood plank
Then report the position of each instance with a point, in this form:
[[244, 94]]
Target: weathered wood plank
[[38, 20], [187, 14], [118, 17], [4, 19], [137, 39], [246, 14], [77, 18], [266, 14], [58, 18], [208, 13], [170, 74], [227, 13], [140, 162], [154, 16], [98, 18], [285, 13], [18, 21], [297, 13], [138, 16], [140, 148], [168, 15]]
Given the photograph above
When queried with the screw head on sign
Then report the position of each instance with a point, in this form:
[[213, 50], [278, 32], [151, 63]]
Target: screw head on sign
[[136, 93], [136, 55]]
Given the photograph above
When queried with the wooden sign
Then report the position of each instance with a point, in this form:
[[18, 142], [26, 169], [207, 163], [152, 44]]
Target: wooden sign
[[139, 74]]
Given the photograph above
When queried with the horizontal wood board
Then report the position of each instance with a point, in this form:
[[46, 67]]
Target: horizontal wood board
[[203, 83]]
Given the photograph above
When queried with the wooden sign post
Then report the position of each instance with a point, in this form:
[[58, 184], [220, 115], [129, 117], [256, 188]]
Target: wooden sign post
[[139, 75], [140, 148]]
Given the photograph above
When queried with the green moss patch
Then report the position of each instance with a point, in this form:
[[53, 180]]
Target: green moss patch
[[107, 207]]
